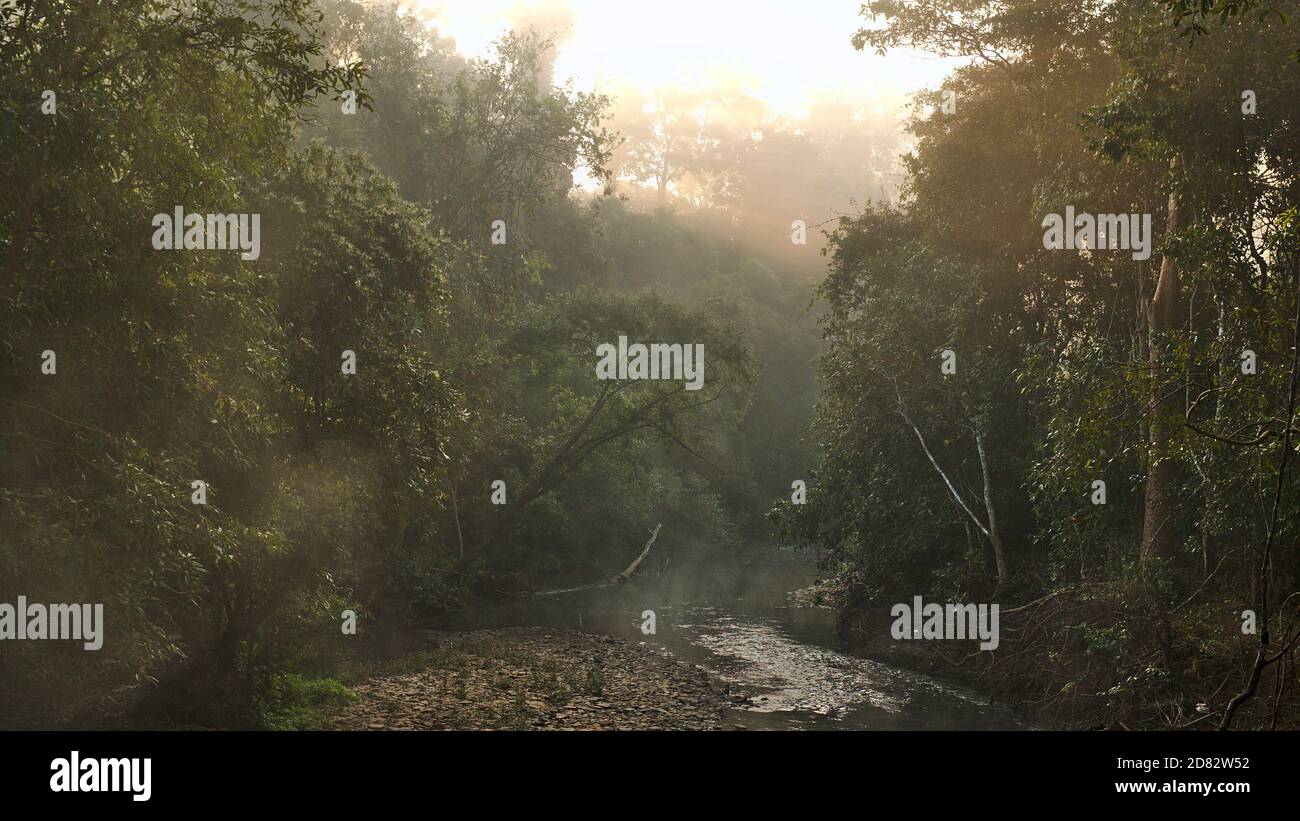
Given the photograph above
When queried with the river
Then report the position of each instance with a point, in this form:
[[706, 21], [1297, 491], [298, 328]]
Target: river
[[781, 661]]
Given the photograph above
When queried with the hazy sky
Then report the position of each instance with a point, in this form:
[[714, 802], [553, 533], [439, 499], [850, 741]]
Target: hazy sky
[[785, 52]]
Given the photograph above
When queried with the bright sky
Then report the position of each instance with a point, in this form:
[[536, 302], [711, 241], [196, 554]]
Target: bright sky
[[785, 52]]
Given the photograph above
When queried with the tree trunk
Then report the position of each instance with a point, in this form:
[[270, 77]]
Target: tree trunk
[[995, 536], [991, 530], [1158, 534]]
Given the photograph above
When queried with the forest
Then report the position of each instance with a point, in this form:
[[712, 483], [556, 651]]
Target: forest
[[314, 370]]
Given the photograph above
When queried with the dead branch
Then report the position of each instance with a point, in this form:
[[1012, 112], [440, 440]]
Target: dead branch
[[612, 580]]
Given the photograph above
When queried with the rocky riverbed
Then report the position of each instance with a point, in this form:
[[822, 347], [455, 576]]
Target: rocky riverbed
[[536, 679]]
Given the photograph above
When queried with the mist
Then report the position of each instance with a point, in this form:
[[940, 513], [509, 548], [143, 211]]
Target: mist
[[599, 365]]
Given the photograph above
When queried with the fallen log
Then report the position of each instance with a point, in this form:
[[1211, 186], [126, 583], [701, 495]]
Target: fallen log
[[612, 580]]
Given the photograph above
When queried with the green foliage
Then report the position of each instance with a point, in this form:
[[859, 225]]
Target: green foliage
[[329, 490], [1060, 362], [297, 703]]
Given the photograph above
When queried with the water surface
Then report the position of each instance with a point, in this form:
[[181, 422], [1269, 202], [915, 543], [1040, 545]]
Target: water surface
[[781, 661]]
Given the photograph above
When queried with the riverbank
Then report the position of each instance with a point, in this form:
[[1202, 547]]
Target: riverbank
[[534, 679], [1094, 662], [861, 634]]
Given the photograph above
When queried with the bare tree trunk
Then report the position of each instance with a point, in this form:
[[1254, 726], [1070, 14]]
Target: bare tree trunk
[[990, 531], [995, 536], [1158, 535]]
